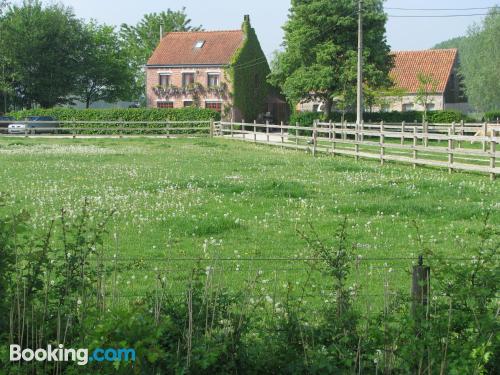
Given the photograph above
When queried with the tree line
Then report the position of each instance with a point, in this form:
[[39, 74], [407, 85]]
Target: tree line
[[480, 60], [49, 57]]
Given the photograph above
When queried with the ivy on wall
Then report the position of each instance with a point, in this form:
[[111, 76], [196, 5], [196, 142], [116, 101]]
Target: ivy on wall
[[248, 72]]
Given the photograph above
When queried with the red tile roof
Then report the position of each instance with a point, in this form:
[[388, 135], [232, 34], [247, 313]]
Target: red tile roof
[[408, 64], [178, 48]]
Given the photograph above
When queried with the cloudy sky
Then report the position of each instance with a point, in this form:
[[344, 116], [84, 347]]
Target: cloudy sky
[[269, 15]]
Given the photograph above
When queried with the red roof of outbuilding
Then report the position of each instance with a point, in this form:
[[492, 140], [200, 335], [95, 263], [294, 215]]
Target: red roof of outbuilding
[[408, 64], [178, 48]]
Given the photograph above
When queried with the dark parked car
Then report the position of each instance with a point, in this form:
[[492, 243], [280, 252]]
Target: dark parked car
[[4, 123], [35, 125]]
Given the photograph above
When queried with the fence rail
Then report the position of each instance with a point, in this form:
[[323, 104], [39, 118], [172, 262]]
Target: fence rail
[[468, 147]]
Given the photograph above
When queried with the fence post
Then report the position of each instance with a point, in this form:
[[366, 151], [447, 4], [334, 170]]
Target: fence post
[[282, 134], [485, 134], [330, 129], [426, 134], [73, 131], [461, 133], [420, 292], [493, 147], [451, 145], [415, 145], [382, 142], [362, 132], [315, 134], [243, 128], [403, 130], [267, 130], [343, 130], [232, 129], [356, 140], [333, 134], [296, 135], [255, 131], [211, 128]]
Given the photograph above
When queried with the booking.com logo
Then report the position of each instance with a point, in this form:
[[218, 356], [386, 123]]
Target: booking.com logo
[[80, 356]]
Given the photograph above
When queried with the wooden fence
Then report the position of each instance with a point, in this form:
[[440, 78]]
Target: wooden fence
[[468, 147]]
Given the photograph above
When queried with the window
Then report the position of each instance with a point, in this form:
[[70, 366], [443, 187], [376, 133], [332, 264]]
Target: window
[[199, 44], [213, 80], [164, 80], [188, 103], [216, 106], [187, 79], [430, 106], [315, 107], [407, 107], [165, 104]]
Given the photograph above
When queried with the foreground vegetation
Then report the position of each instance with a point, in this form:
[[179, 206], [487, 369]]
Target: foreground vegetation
[[209, 256]]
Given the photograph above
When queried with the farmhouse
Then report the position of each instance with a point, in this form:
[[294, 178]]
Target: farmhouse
[[221, 70], [441, 66]]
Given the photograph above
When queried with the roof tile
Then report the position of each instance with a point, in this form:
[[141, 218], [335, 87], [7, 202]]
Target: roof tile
[[178, 48], [408, 64]]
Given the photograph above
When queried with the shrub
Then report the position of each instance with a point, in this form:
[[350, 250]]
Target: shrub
[[442, 117], [492, 115], [125, 115]]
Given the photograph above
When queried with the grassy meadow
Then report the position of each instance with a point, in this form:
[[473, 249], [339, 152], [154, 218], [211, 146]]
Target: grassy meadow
[[236, 209]]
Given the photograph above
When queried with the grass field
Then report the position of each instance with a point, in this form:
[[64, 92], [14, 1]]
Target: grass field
[[235, 205]]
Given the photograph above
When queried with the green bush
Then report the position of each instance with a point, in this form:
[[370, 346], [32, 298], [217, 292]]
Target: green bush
[[492, 115], [125, 115], [440, 117]]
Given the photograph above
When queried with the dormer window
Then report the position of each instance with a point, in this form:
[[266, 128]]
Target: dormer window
[[199, 44]]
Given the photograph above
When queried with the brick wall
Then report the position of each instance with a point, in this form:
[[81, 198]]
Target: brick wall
[[201, 76]]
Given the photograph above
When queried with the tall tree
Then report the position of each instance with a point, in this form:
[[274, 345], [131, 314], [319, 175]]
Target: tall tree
[[40, 46], [320, 56], [141, 40], [105, 73], [481, 62]]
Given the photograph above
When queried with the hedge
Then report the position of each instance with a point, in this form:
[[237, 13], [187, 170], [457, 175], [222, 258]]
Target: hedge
[[439, 117], [132, 114], [492, 115]]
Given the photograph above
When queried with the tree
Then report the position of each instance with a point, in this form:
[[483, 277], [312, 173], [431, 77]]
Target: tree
[[40, 46], [105, 73], [140, 41], [481, 61], [427, 87], [320, 56]]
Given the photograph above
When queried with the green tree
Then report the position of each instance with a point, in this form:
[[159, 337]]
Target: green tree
[[141, 40], [105, 73], [481, 61], [427, 88], [40, 46], [319, 60]]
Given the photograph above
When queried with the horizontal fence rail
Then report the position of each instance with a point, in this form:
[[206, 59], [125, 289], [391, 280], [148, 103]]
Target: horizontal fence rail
[[468, 147]]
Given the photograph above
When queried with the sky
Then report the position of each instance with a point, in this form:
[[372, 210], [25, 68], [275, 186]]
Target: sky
[[268, 16]]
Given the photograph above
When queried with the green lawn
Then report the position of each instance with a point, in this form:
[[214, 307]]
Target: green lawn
[[220, 199]]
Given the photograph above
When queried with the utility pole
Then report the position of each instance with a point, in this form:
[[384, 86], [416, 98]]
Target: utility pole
[[359, 103]]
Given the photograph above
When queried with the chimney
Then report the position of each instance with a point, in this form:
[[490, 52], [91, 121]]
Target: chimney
[[161, 31]]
